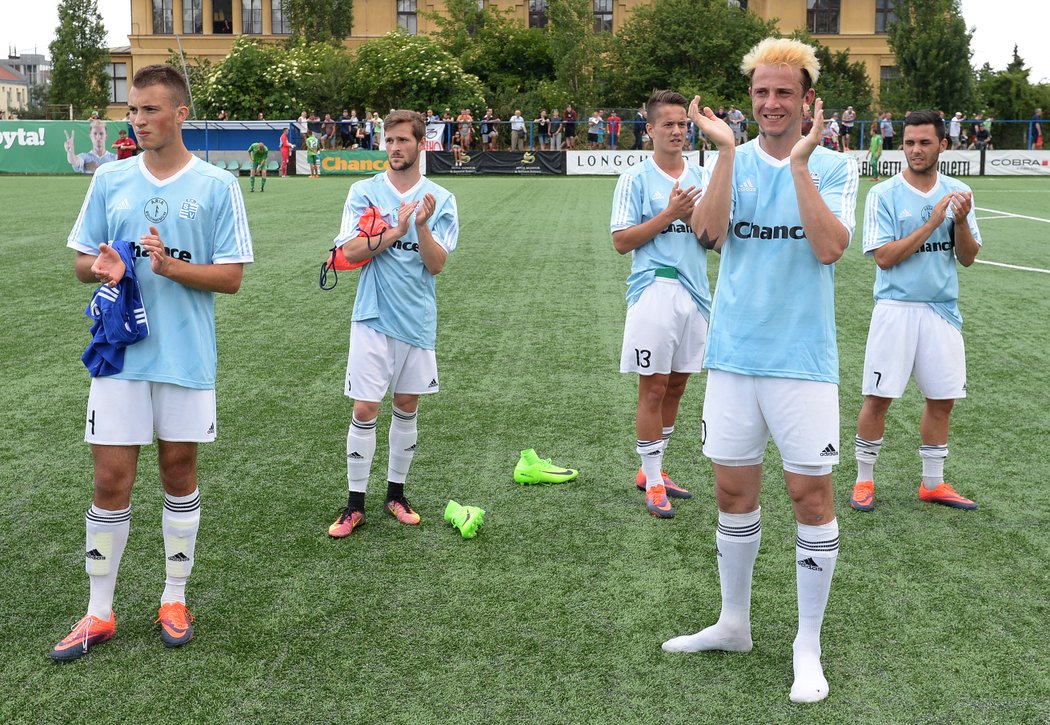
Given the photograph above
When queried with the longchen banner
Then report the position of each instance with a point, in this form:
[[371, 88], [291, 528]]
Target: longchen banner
[[57, 147]]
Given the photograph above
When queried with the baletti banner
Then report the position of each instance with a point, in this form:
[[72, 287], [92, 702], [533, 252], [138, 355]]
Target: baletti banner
[[57, 147], [951, 163], [611, 163], [519, 163]]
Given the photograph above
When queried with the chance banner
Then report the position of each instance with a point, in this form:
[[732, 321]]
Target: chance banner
[[57, 147], [527, 163]]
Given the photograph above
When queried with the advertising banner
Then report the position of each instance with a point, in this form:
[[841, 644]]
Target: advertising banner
[[1017, 163], [351, 163], [57, 147], [610, 163], [522, 163], [951, 163]]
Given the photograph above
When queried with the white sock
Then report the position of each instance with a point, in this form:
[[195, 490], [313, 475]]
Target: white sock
[[652, 455], [736, 544], [933, 465], [866, 452], [403, 435], [360, 450], [180, 521], [107, 535], [816, 551], [666, 435]]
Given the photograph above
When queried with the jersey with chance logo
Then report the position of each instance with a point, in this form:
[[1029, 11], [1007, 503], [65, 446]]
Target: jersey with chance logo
[[396, 294], [774, 304], [642, 192], [200, 215], [894, 209]]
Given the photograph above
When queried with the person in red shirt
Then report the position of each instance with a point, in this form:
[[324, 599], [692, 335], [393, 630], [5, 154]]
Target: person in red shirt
[[124, 146], [286, 149], [613, 123]]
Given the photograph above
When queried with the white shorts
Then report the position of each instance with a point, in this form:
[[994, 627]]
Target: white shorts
[[378, 363], [128, 412], [664, 332], [910, 338], [741, 411]]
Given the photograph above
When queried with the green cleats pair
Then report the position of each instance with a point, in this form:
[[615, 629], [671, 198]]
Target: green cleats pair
[[467, 519], [533, 469]]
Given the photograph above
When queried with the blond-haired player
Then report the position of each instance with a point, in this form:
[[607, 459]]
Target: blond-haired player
[[781, 211]]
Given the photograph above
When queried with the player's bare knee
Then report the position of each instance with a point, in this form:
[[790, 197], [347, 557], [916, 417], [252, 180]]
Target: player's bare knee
[[941, 408], [676, 385], [366, 410], [406, 403], [652, 389]]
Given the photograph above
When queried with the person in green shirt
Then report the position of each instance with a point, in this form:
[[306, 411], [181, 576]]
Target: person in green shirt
[[259, 155], [875, 151], [312, 155]]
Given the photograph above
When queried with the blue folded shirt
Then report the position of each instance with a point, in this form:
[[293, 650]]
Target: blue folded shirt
[[119, 319]]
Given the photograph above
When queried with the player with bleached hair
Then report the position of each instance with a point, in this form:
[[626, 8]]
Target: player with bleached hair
[[780, 209], [917, 224], [668, 297]]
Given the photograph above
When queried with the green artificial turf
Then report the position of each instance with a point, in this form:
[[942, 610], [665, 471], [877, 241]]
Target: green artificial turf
[[556, 611]]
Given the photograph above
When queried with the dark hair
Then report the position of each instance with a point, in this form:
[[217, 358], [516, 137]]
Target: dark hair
[[664, 98], [924, 118], [419, 127], [161, 74]]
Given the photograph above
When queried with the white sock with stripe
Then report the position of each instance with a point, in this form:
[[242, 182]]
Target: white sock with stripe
[[816, 551], [866, 452], [736, 545], [107, 535], [933, 465], [180, 522], [360, 450], [404, 432], [652, 455]]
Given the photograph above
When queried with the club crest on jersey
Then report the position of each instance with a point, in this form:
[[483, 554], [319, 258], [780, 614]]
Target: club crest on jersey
[[156, 210], [189, 208], [926, 212]]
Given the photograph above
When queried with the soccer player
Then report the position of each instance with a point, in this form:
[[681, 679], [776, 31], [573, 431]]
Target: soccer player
[[917, 224], [187, 224], [875, 151], [313, 155], [668, 296], [781, 211], [394, 325], [286, 152], [259, 154]]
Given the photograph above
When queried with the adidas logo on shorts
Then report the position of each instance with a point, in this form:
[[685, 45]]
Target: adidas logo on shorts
[[433, 383], [829, 450]]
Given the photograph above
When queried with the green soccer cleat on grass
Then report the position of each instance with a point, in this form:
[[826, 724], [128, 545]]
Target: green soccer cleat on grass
[[533, 469], [468, 519]]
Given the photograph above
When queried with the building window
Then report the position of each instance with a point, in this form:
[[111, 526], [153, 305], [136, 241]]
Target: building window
[[884, 15], [251, 17], [406, 15], [603, 16], [192, 17], [278, 20], [118, 82], [163, 23], [822, 17], [222, 17], [537, 13]]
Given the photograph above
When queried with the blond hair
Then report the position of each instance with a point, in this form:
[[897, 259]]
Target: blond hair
[[783, 51]]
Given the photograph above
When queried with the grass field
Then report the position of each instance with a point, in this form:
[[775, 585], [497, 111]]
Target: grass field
[[555, 613]]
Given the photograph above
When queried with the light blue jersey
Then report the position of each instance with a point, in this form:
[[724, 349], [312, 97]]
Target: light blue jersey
[[641, 194], [396, 294], [774, 307], [200, 215], [894, 210]]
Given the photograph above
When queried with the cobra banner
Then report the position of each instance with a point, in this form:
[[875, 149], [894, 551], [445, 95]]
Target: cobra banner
[[521, 163], [57, 147]]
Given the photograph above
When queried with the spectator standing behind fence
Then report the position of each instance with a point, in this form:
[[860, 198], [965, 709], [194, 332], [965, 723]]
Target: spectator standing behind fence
[[346, 134], [886, 129], [517, 131], [848, 118], [466, 127], [738, 122], [124, 146], [328, 132], [313, 123], [556, 130], [570, 127], [487, 127], [302, 123], [614, 128], [1035, 130], [979, 133], [988, 126], [955, 130], [377, 130], [639, 128], [543, 130]]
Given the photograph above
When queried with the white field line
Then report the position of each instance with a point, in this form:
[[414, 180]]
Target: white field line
[[1008, 215], [1015, 216], [1013, 266]]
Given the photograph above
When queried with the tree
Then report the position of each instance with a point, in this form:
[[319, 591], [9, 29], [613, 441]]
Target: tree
[[1007, 94], [79, 57], [686, 45], [842, 82], [576, 48], [320, 20], [932, 45]]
